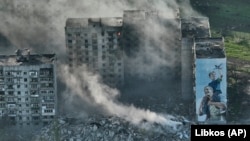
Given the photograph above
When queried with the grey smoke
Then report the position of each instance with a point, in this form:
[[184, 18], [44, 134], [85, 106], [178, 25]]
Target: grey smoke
[[39, 25], [88, 87]]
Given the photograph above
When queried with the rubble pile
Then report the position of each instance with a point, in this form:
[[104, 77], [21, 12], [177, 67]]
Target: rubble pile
[[110, 128]]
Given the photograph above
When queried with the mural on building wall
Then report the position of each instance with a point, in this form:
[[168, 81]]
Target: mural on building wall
[[211, 92]]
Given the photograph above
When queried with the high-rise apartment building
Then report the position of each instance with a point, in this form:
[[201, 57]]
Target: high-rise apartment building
[[95, 42], [28, 92], [146, 35]]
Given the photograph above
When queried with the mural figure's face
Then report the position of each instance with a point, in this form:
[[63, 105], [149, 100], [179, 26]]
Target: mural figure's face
[[208, 91], [212, 75]]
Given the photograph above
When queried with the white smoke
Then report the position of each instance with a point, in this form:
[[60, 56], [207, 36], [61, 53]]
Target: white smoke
[[39, 25], [88, 87]]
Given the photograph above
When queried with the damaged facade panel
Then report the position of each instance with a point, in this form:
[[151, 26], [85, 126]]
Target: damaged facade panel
[[21, 88], [95, 42]]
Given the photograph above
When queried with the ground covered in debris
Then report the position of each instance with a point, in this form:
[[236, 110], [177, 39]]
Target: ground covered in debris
[[111, 128]]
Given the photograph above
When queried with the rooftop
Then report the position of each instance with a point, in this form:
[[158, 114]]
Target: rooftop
[[85, 22], [209, 48], [25, 58], [195, 27]]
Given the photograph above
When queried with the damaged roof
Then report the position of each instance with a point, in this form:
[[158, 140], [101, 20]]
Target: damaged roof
[[209, 48], [33, 59], [195, 27], [85, 22]]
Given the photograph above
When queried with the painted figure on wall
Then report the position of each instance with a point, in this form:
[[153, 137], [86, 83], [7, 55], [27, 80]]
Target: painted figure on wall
[[212, 109], [211, 92]]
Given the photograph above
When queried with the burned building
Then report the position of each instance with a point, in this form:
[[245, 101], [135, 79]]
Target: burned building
[[28, 88], [147, 31], [123, 50], [203, 70], [191, 28], [95, 42]]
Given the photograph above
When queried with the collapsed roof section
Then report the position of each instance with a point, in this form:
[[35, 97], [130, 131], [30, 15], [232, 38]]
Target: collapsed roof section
[[197, 27], [209, 47], [85, 22], [23, 57]]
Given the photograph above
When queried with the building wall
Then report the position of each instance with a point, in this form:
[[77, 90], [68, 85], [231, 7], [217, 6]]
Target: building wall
[[187, 71], [98, 47], [203, 67], [28, 93]]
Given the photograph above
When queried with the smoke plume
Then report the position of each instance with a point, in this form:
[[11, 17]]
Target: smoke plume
[[88, 87], [39, 25]]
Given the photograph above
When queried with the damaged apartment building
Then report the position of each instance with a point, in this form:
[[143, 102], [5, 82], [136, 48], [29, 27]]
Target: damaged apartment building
[[108, 46], [203, 63], [95, 42], [28, 88], [105, 44]]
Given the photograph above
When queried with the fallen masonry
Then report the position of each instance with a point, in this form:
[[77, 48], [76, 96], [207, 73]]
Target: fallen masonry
[[111, 128]]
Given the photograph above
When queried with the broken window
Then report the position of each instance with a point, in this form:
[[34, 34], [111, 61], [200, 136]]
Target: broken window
[[94, 41], [35, 118], [18, 72], [110, 33], [34, 79], [94, 35], [25, 79], [2, 98], [8, 73], [33, 92], [43, 92], [103, 57], [33, 73], [48, 111], [2, 105], [1, 92], [46, 85], [11, 92], [78, 34], [10, 99], [10, 86], [95, 53], [95, 47], [102, 33], [46, 71], [34, 86]]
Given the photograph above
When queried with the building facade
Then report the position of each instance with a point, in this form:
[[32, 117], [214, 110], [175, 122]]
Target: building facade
[[28, 92], [95, 43], [203, 63], [210, 73]]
